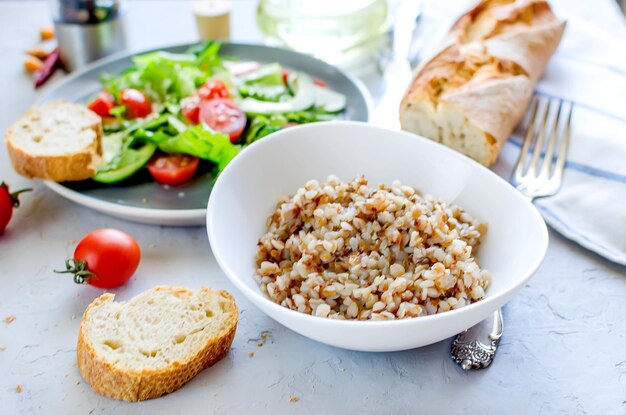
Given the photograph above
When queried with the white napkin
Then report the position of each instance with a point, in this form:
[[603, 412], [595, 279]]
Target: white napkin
[[588, 69]]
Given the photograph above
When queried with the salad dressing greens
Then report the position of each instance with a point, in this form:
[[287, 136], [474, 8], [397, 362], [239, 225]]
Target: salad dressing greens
[[129, 162], [270, 97]]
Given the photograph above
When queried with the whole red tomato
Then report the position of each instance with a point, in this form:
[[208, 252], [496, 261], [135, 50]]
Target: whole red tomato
[[8, 201], [105, 258]]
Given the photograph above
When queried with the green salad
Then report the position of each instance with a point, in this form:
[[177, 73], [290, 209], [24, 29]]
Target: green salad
[[172, 112]]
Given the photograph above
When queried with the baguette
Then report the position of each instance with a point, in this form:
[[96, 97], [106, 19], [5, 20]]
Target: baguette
[[60, 141], [522, 31], [473, 93], [154, 343]]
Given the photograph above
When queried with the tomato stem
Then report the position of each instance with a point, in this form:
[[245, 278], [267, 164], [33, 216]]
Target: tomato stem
[[15, 201], [79, 269]]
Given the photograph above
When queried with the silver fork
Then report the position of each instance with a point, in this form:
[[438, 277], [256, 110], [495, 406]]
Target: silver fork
[[538, 177]]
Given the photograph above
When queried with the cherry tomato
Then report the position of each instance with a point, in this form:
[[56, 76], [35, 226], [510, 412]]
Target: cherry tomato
[[8, 201], [102, 104], [223, 115], [190, 107], [137, 104], [213, 89], [173, 169], [105, 258]]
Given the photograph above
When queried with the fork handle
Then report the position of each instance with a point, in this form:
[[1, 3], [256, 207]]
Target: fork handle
[[475, 348]]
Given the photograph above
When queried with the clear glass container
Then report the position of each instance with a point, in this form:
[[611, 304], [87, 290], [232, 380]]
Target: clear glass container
[[340, 32]]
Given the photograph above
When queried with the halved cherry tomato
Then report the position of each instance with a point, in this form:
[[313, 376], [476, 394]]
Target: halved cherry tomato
[[173, 169], [223, 115], [102, 104], [213, 89], [105, 258], [137, 104], [190, 108]]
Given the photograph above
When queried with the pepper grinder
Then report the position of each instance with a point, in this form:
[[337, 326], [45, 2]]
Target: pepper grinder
[[88, 30]]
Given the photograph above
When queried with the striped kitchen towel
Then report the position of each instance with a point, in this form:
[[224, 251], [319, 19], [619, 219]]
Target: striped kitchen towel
[[588, 69]]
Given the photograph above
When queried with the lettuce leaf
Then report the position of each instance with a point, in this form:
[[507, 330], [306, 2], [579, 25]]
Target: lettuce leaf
[[199, 142], [167, 77]]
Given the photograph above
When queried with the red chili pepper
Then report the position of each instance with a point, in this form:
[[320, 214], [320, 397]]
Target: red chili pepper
[[50, 65]]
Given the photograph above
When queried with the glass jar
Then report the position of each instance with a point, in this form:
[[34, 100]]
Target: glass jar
[[337, 31]]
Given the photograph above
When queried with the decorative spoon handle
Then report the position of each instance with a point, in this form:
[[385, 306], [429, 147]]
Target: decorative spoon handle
[[475, 348]]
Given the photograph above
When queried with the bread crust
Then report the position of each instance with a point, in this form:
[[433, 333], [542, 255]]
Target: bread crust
[[511, 45], [512, 95], [77, 166], [112, 381], [59, 168]]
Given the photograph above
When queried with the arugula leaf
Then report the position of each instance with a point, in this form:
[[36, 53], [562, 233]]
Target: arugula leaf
[[207, 56], [199, 142], [262, 125], [118, 111], [311, 115]]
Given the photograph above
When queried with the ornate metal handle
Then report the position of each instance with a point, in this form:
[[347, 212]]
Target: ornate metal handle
[[470, 351]]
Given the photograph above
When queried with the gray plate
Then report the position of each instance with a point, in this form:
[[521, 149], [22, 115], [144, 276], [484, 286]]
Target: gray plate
[[143, 200]]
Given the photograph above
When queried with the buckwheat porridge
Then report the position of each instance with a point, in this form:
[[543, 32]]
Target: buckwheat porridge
[[350, 251]]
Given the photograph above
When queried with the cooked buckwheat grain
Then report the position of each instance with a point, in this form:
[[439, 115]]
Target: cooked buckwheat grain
[[350, 251]]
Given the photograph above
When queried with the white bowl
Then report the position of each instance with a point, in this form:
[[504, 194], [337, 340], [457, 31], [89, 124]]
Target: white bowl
[[246, 192]]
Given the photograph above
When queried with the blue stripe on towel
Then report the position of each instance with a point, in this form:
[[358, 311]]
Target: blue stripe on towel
[[547, 212], [584, 168]]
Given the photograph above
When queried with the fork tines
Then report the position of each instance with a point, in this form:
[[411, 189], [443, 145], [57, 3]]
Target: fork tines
[[551, 118]]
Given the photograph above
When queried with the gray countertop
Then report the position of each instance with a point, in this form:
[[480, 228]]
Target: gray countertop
[[564, 348]]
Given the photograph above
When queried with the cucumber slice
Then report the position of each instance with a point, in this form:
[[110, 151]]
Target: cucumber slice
[[270, 74], [329, 100], [129, 163], [112, 145], [303, 99]]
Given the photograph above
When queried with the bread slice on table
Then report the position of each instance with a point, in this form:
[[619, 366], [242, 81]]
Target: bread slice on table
[[154, 343], [59, 141]]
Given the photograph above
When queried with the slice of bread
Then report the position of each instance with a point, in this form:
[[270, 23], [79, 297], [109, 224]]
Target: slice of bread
[[59, 141], [154, 343]]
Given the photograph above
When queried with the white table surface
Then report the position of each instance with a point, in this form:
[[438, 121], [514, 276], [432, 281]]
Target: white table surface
[[564, 348]]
